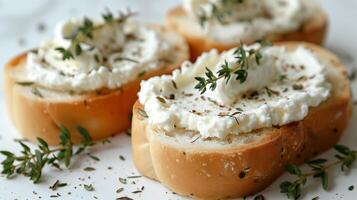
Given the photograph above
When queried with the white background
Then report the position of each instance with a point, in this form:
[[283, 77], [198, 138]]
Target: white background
[[19, 21]]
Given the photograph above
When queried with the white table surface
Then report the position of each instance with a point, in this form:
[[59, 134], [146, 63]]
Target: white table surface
[[19, 31]]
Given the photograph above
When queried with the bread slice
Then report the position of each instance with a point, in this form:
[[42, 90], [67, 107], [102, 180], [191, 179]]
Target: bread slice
[[103, 113], [313, 31], [244, 164]]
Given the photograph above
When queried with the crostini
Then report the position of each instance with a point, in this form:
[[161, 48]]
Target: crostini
[[222, 24], [227, 125], [88, 76]]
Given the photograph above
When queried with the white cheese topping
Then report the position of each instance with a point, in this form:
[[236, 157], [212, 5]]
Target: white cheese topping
[[128, 51], [278, 91], [249, 20]]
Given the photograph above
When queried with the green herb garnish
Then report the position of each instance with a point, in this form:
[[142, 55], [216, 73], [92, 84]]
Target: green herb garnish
[[319, 169], [88, 187], [36, 92], [142, 113], [142, 73], [94, 157], [87, 28], [124, 198], [350, 188], [89, 169], [25, 83], [120, 58], [162, 100], [123, 180], [259, 197], [108, 16], [66, 53], [57, 185], [119, 190], [121, 157], [220, 11], [243, 60], [85, 31], [134, 176], [30, 163]]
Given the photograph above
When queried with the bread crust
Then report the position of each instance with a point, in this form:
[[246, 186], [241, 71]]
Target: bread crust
[[313, 31], [103, 113], [227, 172]]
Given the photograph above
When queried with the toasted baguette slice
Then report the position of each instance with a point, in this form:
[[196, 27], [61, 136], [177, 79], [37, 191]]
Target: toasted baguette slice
[[244, 164], [312, 31], [103, 113]]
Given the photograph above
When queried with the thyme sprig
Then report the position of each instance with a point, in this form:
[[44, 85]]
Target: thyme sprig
[[30, 163], [218, 11], [86, 31], [318, 169], [243, 59]]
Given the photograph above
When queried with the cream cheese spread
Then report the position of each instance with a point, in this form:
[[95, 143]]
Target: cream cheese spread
[[278, 91], [115, 55], [232, 21]]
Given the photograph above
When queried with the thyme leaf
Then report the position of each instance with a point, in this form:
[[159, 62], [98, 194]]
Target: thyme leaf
[[88, 187], [219, 12], [243, 58], [57, 185], [318, 169], [25, 83], [86, 30], [142, 113], [36, 92], [30, 162], [66, 53], [108, 16]]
